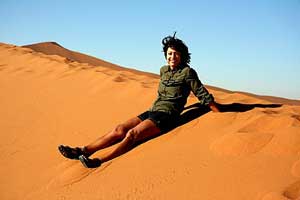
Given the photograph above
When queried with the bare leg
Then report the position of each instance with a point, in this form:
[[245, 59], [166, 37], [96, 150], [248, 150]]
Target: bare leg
[[112, 137], [141, 132]]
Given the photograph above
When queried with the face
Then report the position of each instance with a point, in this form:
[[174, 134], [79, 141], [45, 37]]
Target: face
[[173, 57]]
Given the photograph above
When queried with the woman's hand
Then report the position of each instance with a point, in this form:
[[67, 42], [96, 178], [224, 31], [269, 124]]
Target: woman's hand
[[213, 106]]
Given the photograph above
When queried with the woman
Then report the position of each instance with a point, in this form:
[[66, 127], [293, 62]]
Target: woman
[[177, 79]]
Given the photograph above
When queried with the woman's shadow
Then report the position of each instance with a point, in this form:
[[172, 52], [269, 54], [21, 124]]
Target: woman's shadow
[[197, 110]]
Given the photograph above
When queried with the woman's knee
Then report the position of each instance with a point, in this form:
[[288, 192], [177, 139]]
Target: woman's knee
[[120, 131], [131, 136]]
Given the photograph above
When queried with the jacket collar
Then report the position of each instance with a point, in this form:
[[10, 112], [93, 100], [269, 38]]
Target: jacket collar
[[178, 69]]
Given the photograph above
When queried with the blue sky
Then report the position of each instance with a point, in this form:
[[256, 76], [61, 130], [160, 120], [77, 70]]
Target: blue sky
[[251, 46]]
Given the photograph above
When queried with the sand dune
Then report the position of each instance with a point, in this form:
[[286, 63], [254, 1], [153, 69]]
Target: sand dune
[[53, 48], [249, 151]]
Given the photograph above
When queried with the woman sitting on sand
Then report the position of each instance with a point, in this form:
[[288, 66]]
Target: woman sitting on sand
[[177, 79]]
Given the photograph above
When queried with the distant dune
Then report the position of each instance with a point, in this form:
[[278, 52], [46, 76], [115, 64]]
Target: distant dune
[[53, 48], [51, 95]]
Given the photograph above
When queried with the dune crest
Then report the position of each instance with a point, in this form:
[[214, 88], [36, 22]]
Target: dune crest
[[248, 151], [53, 48]]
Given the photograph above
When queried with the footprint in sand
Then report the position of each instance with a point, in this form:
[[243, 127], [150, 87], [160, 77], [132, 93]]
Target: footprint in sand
[[17, 69], [293, 191], [119, 79], [296, 121], [274, 196], [241, 143], [2, 67], [295, 171]]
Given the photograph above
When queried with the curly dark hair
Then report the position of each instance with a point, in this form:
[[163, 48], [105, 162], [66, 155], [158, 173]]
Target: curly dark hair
[[178, 45]]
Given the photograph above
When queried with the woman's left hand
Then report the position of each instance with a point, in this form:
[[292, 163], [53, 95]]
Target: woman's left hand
[[213, 106]]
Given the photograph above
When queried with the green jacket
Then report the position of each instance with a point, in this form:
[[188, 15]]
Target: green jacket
[[174, 89]]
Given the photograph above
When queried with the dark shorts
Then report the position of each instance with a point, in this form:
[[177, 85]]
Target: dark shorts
[[164, 121]]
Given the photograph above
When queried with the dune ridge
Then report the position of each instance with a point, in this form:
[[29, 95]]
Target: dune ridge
[[249, 151], [53, 48]]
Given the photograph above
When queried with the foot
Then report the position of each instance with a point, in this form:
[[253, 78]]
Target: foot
[[90, 163], [71, 153]]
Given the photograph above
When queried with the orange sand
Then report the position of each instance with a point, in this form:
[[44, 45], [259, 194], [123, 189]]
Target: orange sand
[[47, 100]]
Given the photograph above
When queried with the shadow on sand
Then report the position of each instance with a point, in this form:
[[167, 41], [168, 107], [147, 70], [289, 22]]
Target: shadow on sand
[[196, 110]]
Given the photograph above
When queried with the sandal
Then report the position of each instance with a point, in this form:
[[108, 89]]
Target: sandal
[[90, 163], [71, 153]]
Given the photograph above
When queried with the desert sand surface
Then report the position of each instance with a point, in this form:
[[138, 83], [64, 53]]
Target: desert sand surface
[[249, 151]]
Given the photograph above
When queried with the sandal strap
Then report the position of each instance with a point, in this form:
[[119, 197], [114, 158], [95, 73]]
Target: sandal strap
[[85, 152], [90, 163], [69, 152]]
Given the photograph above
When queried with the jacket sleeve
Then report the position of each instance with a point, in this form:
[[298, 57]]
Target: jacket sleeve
[[198, 88]]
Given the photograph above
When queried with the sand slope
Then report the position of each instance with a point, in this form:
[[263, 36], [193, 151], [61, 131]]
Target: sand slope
[[250, 151]]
